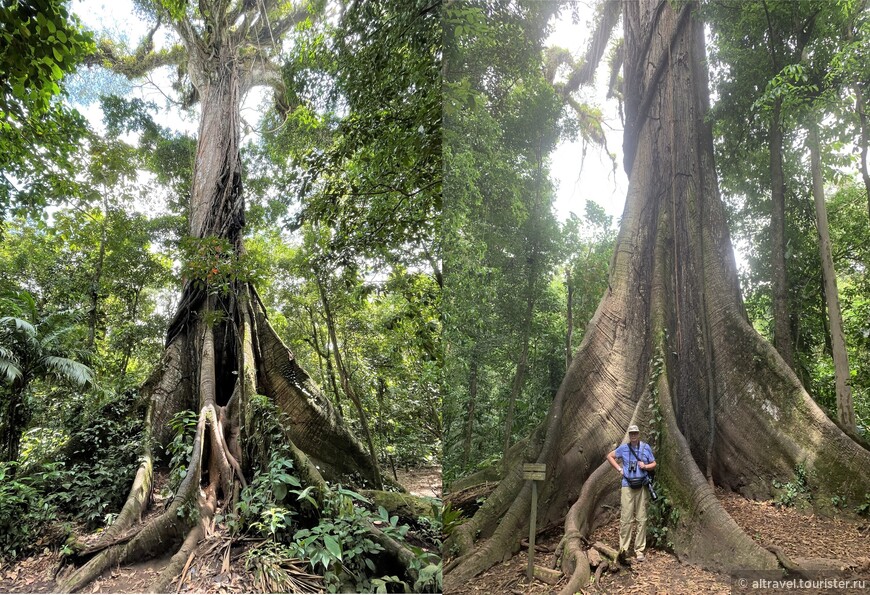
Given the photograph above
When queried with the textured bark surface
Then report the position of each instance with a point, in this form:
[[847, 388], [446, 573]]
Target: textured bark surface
[[670, 348]]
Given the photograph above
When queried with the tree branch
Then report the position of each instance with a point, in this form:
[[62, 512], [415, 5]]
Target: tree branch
[[586, 71], [136, 65], [265, 72], [266, 31]]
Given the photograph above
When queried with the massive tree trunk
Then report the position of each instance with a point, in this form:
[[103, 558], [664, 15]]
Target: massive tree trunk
[[845, 409], [220, 351], [670, 348]]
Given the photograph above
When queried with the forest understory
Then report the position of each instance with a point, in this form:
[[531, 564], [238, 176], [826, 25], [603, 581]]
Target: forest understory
[[218, 565], [799, 532]]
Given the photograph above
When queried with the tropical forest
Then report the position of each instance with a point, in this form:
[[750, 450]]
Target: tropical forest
[[220, 296], [435, 296]]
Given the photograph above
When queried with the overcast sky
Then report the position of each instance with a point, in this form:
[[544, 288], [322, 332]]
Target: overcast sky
[[593, 177]]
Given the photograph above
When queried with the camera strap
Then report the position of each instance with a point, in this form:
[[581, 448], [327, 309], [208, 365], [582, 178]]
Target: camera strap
[[632, 450]]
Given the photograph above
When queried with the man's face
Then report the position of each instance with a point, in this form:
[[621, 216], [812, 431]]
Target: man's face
[[634, 436]]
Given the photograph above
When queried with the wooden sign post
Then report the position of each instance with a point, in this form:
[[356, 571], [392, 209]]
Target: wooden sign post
[[533, 472]]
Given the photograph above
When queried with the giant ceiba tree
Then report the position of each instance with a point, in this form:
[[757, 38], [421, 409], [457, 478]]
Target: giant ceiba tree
[[221, 350], [670, 348]]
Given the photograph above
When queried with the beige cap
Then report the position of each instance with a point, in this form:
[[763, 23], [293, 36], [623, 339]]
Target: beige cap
[[633, 428]]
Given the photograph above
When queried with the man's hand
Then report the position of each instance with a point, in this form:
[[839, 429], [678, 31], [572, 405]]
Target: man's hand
[[641, 464]]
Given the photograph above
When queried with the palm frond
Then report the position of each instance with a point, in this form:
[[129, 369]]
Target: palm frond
[[20, 324], [9, 369], [55, 334], [68, 369]]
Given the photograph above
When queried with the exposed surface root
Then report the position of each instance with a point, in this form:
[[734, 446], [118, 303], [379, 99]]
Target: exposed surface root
[[578, 526]]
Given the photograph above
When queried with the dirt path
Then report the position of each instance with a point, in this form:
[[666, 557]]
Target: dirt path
[[423, 481], [799, 534]]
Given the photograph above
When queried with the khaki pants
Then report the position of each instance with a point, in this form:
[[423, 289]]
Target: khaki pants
[[633, 504]]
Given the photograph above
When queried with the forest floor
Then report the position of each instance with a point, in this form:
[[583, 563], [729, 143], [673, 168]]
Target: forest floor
[[37, 573], [800, 534]]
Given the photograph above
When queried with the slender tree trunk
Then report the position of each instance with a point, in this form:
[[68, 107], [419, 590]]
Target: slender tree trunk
[[321, 355], [469, 412], [845, 408], [128, 348], [864, 128], [97, 279], [344, 376], [520, 373], [782, 335], [570, 315]]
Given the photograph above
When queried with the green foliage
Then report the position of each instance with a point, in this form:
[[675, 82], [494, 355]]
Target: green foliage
[[377, 179], [99, 460], [795, 492], [180, 450], [24, 509], [332, 536], [213, 262], [263, 419], [663, 518], [33, 346], [450, 519], [864, 507], [263, 507], [39, 43]]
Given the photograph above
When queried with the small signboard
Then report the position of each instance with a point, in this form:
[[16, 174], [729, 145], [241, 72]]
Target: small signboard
[[535, 471]]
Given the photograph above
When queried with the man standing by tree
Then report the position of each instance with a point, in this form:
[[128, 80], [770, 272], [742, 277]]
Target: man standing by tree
[[637, 460]]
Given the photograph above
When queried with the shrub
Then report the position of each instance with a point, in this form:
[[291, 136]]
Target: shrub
[[24, 510], [100, 460], [794, 492]]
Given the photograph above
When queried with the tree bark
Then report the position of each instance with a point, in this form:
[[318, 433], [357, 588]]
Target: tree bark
[[845, 408], [673, 310]]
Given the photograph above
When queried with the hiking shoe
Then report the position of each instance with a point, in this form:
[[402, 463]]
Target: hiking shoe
[[621, 558], [640, 557]]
